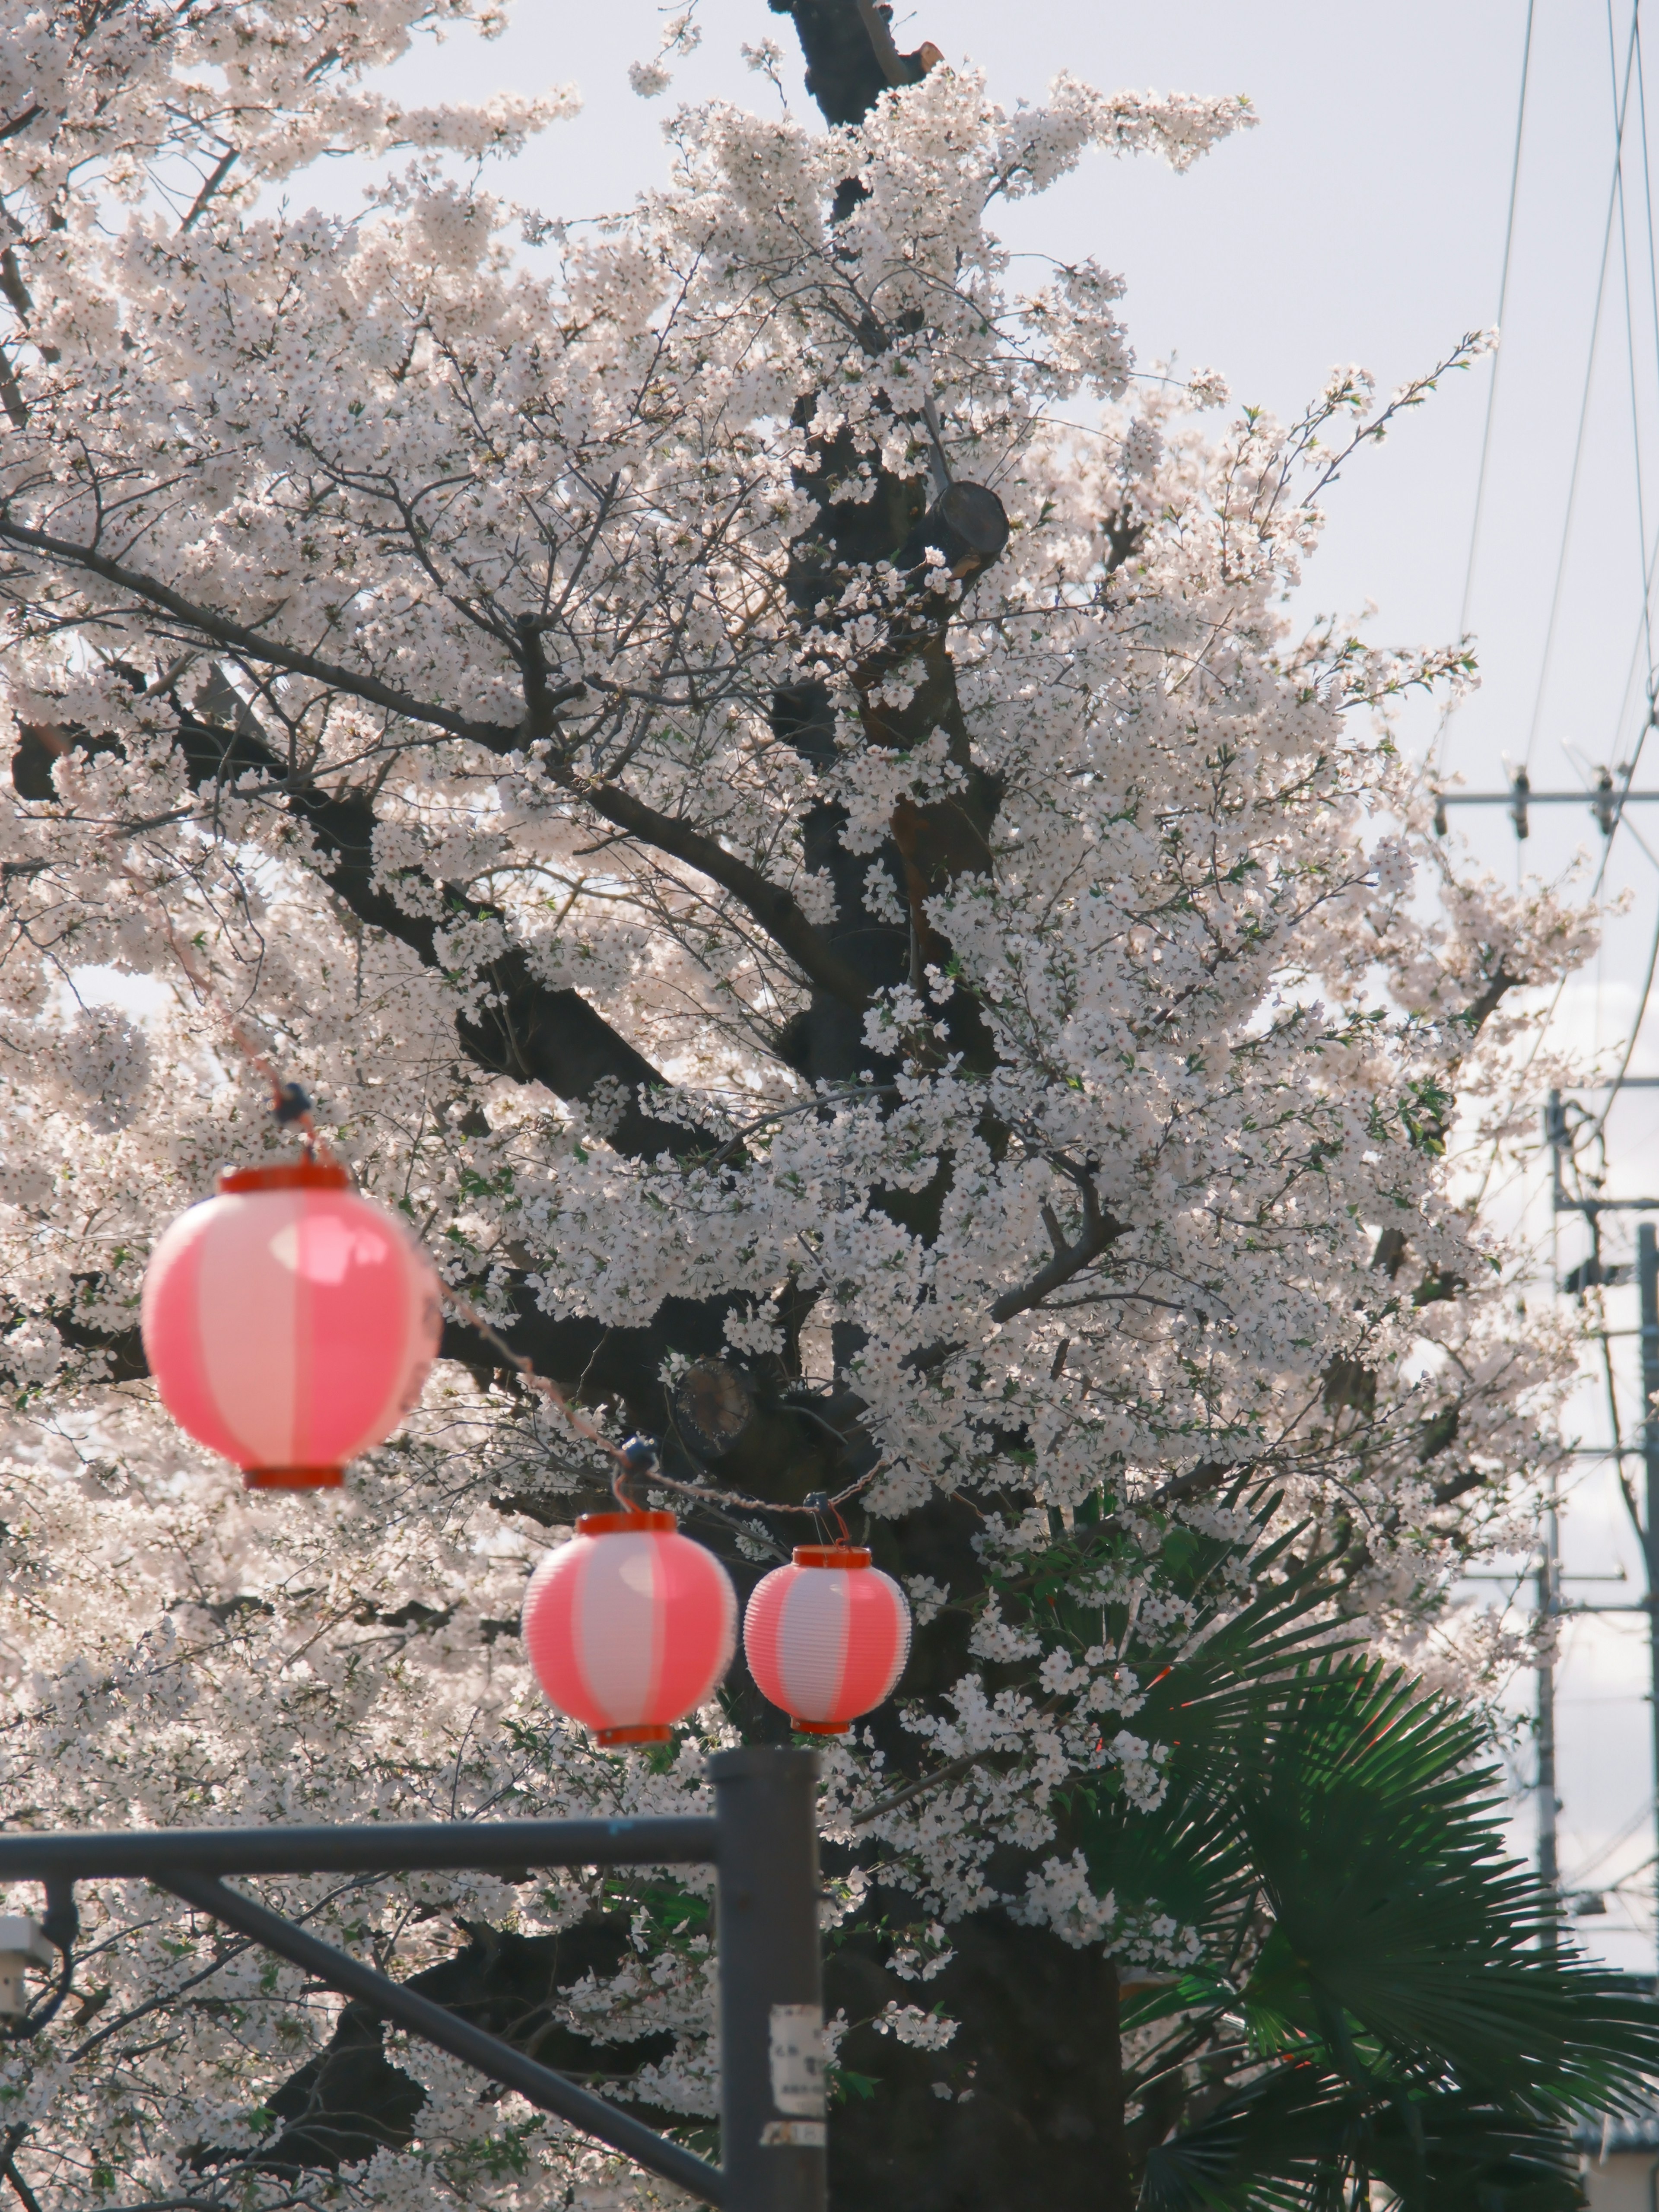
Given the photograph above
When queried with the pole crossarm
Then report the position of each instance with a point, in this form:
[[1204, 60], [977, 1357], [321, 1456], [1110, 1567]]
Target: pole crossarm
[[367, 1847], [1607, 802], [762, 1844], [1587, 798]]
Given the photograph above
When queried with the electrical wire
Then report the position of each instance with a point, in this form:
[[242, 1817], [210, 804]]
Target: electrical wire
[[1643, 643], [1621, 108], [1601, 1122], [1436, 750], [1543, 1029], [1615, 201], [1599, 1857], [1630, 350], [1653, 301], [1649, 558]]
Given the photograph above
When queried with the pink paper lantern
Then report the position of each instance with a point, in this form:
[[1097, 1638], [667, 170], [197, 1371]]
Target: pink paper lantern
[[827, 1637], [289, 1322], [630, 1625]]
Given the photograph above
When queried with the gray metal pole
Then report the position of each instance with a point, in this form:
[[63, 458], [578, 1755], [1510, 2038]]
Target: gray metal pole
[[772, 2098], [1549, 1872], [1647, 1276], [362, 1847]]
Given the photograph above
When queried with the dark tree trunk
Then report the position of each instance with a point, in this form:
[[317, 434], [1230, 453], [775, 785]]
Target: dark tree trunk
[[1023, 2107]]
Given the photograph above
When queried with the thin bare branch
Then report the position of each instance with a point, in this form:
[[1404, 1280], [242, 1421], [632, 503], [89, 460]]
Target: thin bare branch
[[270, 651]]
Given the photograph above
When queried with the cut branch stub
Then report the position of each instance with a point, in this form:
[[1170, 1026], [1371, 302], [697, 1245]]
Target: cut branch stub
[[712, 1407], [1350, 1384], [966, 524]]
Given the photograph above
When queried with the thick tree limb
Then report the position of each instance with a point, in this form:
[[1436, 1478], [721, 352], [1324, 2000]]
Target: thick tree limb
[[11, 393], [532, 1031], [1479, 1012], [877, 29], [1099, 1232], [851, 59], [776, 911]]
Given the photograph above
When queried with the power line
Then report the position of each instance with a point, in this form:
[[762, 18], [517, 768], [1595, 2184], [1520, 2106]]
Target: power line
[[1653, 298], [1641, 1010], [1631, 59], [1543, 1029], [1438, 747], [1622, 104], [1629, 345], [1648, 558]]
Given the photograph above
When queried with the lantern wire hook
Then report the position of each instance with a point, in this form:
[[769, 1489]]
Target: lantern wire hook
[[637, 1456], [819, 1503], [291, 1108]]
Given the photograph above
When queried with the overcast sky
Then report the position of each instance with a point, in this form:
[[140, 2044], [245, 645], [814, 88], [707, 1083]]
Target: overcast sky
[[1364, 221]]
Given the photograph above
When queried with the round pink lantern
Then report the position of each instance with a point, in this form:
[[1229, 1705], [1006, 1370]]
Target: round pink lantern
[[630, 1625], [826, 1637], [289, 1322]]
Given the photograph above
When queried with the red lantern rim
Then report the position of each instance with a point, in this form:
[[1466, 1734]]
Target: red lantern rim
[[628, 1524], [290, 1175], [831, 1555], [819, 1727], [647, 1732], [293, 1478]]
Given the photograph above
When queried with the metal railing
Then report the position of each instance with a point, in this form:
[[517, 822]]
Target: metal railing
[[763, 1844]]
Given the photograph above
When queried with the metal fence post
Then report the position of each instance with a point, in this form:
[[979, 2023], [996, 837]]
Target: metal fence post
[[771, 1983]]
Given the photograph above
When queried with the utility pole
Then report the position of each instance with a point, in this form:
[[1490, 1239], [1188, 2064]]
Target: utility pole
[[1549, 1872], [1647, 1277], [1549, 1869], [1556, 1138]]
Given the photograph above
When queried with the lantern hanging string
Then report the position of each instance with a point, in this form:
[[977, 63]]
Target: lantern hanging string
[[289, 1102], [815, 1505], [292, 1108]]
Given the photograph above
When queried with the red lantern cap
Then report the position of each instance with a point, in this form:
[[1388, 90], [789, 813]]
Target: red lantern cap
[[620, 1525], [287, 1175]]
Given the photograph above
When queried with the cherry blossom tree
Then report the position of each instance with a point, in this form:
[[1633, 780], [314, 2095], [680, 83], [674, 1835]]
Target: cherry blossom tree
[[759, 778]]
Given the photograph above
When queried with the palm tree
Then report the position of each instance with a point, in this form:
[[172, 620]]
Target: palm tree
[[1384, 1994], [1378, 1993]]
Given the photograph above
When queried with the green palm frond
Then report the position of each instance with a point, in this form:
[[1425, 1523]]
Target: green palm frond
[[1297, 2140], [1382, 1994], [1406, 1943], [1206, 1706]]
